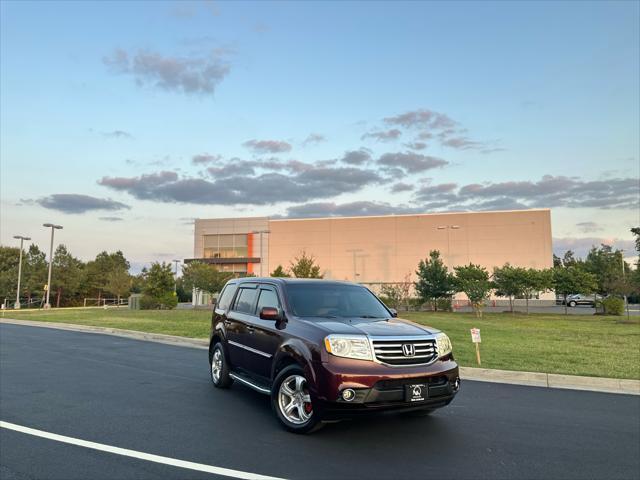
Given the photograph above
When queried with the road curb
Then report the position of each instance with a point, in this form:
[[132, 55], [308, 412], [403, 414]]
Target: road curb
[[534, 379], [148, 337]]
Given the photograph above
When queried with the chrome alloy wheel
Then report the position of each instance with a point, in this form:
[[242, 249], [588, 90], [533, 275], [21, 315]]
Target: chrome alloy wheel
[[216, 365], [294, 400]]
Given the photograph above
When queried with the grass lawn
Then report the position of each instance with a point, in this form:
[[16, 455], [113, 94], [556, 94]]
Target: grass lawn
[[574, 344]]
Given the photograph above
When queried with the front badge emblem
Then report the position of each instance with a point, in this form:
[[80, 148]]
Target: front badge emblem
[[408, 350]]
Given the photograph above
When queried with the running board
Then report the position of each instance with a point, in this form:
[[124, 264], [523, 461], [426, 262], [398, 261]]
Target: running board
[[250, 384]]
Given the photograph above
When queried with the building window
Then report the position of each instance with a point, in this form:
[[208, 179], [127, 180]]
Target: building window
[[225, 246]]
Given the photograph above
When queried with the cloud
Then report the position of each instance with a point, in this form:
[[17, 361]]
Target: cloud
[[351, 209], [411, 162], [314, 138], [76, 203], [548, 192], [383, 136], [356, 157], [581, 246], [305, 183], [111, 219], [401, 187], [190, 75], [118, 134], [267, 146], [205, 158], [421, 118], [589, 227], [416, 145]]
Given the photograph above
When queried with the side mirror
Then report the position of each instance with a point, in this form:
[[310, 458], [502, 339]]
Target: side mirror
[[270, 313], [394, 312]]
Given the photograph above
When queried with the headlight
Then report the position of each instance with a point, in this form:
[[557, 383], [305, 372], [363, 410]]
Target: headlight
[[348, 346], [444, 345]]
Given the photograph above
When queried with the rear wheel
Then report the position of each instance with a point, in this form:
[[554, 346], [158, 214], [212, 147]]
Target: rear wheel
[[292, 403], [220, 368], [572, 303]]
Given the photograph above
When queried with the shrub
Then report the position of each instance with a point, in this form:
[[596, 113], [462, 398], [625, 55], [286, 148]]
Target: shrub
[[167, 301], [613, 306]]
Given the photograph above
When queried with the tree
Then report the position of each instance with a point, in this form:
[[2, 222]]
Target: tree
[[9, 258], [509, 282], [67, 276], [280, 272], [204, 277], [535, 282], [434, 280], [34, 272], [606, 265], [573, 279], [473, 281], [98, 270], [118, 283], [398, 293], [304, 266], [157, 291]]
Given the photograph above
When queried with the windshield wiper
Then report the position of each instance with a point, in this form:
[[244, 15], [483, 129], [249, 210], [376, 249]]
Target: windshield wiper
[[369, 316]]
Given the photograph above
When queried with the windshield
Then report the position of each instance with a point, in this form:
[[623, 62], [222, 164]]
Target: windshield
[[331, 300]]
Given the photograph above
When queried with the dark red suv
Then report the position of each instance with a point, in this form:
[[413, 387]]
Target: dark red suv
[[325, 350]]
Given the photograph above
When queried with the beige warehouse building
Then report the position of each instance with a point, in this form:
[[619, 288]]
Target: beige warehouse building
[[376, 249]]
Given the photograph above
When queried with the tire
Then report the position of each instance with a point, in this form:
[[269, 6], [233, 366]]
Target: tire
[[572, 304], [291, 401], [219, 367]]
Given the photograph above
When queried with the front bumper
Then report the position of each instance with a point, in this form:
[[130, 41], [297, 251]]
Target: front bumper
[[379, 387]]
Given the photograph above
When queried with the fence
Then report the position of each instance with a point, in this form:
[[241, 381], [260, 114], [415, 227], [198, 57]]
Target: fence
[[106, 302]]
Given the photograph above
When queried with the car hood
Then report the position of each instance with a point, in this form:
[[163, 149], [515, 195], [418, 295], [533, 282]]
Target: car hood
[[373, 327]]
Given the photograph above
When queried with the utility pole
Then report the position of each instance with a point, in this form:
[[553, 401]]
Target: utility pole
[[53, 227], [22, 239], [261, 249]]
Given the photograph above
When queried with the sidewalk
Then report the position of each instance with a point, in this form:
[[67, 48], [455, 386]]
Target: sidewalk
[[533, 379]]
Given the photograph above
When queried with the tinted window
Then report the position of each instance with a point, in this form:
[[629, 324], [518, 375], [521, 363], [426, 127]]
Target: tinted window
[[331, 300], [226, 296], [268, 298], [245, 300]]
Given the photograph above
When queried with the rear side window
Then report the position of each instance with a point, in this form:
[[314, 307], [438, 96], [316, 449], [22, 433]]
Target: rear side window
[[268, 298], [227, 294], [246, 300]]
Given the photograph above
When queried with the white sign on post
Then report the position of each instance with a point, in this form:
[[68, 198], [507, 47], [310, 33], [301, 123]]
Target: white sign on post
[[475, 335]]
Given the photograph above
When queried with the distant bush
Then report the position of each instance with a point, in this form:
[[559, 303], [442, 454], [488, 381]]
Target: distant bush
[[613, 306], [167, 301]]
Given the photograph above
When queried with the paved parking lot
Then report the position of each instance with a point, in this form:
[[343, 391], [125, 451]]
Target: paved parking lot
[[157, 399]]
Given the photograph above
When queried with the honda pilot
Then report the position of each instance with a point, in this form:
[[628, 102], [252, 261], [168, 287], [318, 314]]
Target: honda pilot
[[326, 350]]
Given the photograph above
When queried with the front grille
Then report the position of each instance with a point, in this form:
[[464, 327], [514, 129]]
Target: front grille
[[394, 351]]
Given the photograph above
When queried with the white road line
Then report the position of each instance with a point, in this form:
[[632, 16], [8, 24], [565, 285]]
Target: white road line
[[174, 462]]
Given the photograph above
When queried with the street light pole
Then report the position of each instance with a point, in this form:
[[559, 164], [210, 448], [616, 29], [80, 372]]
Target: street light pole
[[175, 276], [261, 251], [53, 228], [626, 300], [22, 239]]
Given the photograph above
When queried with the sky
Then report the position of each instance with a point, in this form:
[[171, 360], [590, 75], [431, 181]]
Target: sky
[[124, 121]]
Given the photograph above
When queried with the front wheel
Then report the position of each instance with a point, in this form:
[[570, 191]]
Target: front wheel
[[572, 304], [220, 368], [291, 401]]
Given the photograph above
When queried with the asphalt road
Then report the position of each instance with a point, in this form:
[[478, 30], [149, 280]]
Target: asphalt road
[[157, 399]]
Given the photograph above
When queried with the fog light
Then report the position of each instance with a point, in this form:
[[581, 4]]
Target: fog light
[[348, 394], [456, 385]]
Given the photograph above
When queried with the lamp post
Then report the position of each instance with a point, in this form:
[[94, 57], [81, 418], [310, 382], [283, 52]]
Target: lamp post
[[626, 300], [261, 251], [22, 239], [175, 283], [53, 227], [448, 228]]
